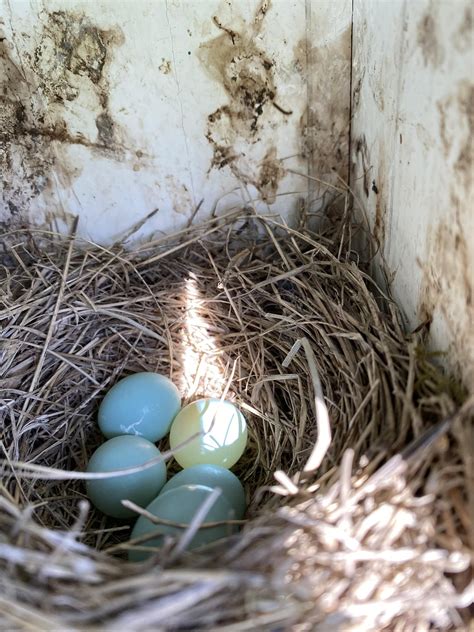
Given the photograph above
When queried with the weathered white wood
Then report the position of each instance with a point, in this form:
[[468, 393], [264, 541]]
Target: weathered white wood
[[411, 152], [113, 109]]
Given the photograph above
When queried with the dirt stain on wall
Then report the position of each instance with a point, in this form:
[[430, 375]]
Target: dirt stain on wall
[[458, 107], [378, 189], [448, 287], [72, 47], [68, 64], [363, 162], [428, 39], [462, 39], [448, 283], [246, 73], [325, 124], [464, 162]]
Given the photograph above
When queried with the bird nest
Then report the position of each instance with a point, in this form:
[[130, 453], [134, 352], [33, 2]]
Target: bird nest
[[357, 465]]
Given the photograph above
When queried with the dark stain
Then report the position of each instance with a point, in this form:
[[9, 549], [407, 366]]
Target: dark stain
[[222, 157], [461, 247], [459, 107], [246, 73], [363, 152], [72, 45], [300, 57], [426, 309], [462, 39], [269, 176], [280, 109], [325, 123], [442, 128], [58, 132], [379, 222], [356, 94], [427, 38], [261, 12], [34, 99], [447, 283], [401, 139], [374, 187], [464, 162], [105, 129], [232, 34], [25, 161], [13, 208]]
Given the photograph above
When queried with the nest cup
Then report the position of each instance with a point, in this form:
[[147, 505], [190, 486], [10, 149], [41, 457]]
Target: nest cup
[[358, 450]]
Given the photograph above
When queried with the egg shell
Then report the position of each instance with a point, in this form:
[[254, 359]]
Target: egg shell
[[212, 476], [139, 487], [180, 505], [142, 404], [222, 433]]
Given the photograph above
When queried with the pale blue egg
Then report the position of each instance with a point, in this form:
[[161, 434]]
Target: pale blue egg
[[142, 404], [140, 487], [212, 476], [180, 505]]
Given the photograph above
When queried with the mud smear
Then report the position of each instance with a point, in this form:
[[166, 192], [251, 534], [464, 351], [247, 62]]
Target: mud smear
[[462, 40], [464, 162], [362, 159], [448, 283], [246, 73], [427, 39], [448, 286], [454, 110], [378, 188], [69, 64], [72, 47], [325, 124], [179, 195], [25, 160]]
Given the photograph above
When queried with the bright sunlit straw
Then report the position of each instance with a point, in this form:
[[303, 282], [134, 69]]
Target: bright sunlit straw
[[202, 373]]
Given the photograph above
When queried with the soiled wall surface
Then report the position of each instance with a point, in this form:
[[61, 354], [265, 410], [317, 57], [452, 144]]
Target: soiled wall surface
[[411, 159], [118, 111]]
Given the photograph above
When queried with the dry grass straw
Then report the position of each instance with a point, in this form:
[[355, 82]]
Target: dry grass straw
[[356, 536]]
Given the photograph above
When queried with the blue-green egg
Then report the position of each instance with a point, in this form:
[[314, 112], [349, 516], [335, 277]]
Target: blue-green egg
[[212, 476], [142, 404], [141, 487], [180, 505]]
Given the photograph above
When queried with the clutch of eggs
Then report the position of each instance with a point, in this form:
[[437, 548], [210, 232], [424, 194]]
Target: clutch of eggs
[[208, 437]]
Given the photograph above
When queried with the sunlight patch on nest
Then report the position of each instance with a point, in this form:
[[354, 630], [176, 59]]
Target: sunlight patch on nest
[[202, 373]]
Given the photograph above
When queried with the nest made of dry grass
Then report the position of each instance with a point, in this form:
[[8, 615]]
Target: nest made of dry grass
[[365, 538]]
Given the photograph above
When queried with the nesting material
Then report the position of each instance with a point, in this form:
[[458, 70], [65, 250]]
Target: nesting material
[[367, 530]]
